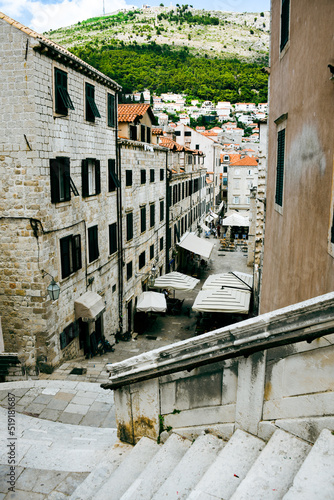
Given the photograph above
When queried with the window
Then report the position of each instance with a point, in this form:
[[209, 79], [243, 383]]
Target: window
[[162, 174], [152, 175], [190, 160], [112, 238], [162, 210], [128, 178], [148, 135], [93, 244], [236, 200], [225, 181], [161, 243], [91, 109], [113, 181], [225, 169], [142, 219], [197, 146], [143, 177], [142, 133], [133, 132], [152, 215], [90, 177], [129, 270], [226, 157], [70, 255], [177, 133], [187, 133], [250, 172], [151, 252], [129, 226], [285, 14], [236, 184], [248, 200], [280, 167], [62, 99], [68, 334], [60, 179], [141, 260], [111, 110]]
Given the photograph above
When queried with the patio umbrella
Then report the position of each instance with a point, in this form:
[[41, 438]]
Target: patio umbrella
[[151, 302], [227, 300], [234, 279], [236, 220], [176, 281]]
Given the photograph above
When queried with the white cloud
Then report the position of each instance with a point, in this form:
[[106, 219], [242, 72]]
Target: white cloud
[[43, 17]]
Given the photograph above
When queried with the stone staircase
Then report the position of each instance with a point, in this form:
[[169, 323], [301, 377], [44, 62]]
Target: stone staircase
[[286, 467]]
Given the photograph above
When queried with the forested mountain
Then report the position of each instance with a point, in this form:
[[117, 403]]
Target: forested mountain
[[177, 49]]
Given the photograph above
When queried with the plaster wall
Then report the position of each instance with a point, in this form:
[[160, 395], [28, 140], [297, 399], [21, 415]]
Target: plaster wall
[[298, 257]]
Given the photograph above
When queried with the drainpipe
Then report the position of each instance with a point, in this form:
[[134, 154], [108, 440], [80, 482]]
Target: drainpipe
[[119, 226]]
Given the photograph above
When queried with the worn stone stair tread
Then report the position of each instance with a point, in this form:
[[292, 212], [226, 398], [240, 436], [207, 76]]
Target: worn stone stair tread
[[159, 468], [128, 471], [230, 467], [315, 478], [95, 480], [190, 469], [273, 472]]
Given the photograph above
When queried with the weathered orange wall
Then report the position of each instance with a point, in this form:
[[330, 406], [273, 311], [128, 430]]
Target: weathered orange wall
[[297, 261]]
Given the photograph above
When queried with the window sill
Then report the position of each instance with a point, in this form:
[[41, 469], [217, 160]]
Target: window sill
[[61, 204], [94, 261], [284, 50], [278, 209], [90, 197]]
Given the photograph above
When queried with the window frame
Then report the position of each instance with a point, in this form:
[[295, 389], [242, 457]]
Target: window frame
[[70, 257], [280, 163], [152, 251], [152, 215], [91, 109], [162, 174], [129, 226], [284, 24], [162, 210], [111, 108], [152, 175], [90, 183], [141, 260], [113, 238], [142, 219], [93, 243], [128, 178], [62, 99], [142, 176], [60, 179], [129, 270], [113, 181]]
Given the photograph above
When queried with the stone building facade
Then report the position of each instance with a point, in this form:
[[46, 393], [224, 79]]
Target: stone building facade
[[58, 200]]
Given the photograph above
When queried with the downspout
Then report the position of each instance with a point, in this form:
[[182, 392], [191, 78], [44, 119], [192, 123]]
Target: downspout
[[119, 225], [167, 215]]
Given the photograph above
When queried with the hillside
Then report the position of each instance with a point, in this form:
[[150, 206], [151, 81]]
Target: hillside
[[178, 50], [226, 34]]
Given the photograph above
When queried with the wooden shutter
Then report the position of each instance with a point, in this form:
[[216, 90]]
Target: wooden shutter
[[67, 179], [97, 177], [285, 20], [111, 110], [54, 180], [280, 167], [84, 178], [76, 252], [65, 257]]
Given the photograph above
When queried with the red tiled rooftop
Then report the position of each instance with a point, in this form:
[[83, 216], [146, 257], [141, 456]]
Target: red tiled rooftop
[[249, 161], [131, 112]]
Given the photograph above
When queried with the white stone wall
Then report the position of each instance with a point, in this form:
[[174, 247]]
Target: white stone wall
[[135, 157], [239, 184], [26, 92]]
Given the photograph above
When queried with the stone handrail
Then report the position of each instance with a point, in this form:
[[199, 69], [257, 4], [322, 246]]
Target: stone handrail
[[306, 320]]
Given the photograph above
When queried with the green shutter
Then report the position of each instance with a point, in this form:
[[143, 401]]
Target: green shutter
[[97, 177], [84, 178]]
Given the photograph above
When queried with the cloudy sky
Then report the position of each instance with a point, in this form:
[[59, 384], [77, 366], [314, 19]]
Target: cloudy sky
[[43, 15]]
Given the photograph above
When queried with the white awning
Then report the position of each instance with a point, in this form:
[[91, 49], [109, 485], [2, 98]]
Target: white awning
[[176, 281], [197, 245], [215, 216], [206, 228], [234, 279], [222, 204], [236, 220], [89, 306], [151, 302], [209, 218], [228, 300]]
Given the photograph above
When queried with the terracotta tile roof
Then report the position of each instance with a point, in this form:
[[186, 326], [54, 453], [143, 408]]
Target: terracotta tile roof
[[131, 112], [157, 131], [208, 181], [60, 50], [249, 161], [170, 144]]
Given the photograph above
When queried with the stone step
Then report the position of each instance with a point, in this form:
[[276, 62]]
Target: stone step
[[230, 468], [315, 478], [273, 472], [159, 469], [190, 469], [128, 471], [95, 480]]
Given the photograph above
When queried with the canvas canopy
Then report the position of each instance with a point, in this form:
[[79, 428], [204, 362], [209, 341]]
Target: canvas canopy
[[206, 228], [176, 281], [227, 300], [89, 306], [234, 279], [151, 302], [197, 245], [236, 220]]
